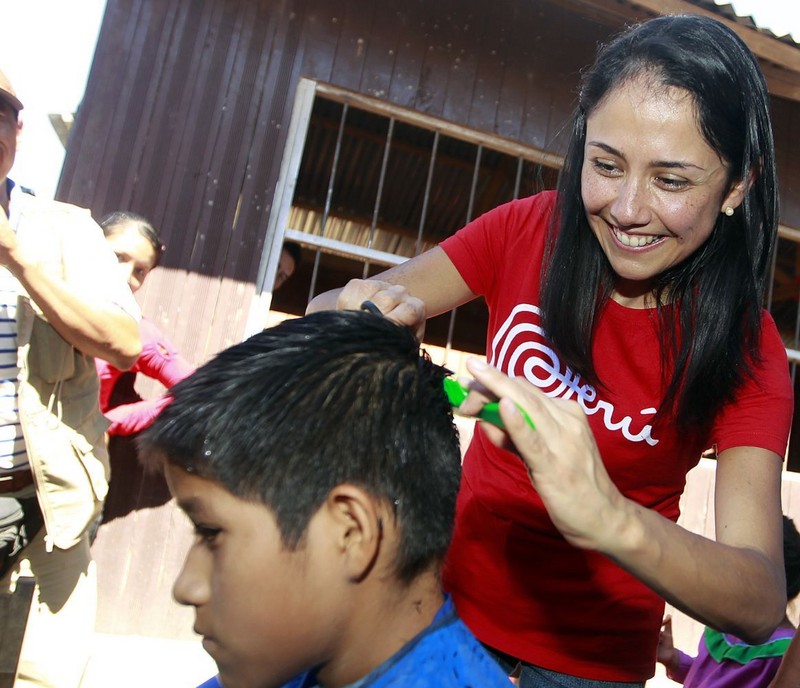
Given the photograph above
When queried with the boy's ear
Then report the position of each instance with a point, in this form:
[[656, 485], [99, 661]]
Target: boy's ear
[[356, 517]]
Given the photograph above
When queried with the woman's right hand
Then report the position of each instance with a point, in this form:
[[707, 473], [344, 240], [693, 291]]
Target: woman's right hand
[[437, 285], [393, 300]]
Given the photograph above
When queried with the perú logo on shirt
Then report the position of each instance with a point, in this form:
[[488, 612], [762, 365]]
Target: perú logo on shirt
[[519, 349]]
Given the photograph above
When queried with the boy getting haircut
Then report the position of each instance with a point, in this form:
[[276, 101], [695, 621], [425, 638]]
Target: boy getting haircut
[[319, 464]]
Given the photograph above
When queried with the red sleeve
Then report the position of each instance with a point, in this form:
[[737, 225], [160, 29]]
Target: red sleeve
[[761, 414], [479, 250]]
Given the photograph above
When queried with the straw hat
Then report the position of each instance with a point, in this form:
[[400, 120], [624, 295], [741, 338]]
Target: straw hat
[[7, 93]]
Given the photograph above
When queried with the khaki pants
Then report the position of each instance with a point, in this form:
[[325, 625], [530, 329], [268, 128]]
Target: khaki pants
[[60, 630]]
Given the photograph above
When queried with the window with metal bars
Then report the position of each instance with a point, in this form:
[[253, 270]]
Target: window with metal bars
[[373, 189], [372, 185]]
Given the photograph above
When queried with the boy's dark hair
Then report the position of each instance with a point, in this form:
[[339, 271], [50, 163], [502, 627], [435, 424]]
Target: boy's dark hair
[[718, 290], [334, 397], [791, 557]]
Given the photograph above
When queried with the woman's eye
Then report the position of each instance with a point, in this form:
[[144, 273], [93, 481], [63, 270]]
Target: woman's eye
[[672, 183], [206, 534], [605, 167]]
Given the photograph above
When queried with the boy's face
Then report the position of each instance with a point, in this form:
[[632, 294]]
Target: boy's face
[[266, 614]]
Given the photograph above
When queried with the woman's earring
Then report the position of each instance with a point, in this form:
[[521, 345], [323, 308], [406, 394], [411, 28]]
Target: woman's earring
[[729, 211]]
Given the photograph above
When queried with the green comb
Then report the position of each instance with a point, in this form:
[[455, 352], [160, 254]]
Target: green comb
[[457, 393]]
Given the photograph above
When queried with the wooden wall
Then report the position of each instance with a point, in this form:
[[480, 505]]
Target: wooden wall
[[188, 104], [786, 128]]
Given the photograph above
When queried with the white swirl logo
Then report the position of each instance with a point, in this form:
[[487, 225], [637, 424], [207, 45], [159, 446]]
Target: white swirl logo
[[520, 350]]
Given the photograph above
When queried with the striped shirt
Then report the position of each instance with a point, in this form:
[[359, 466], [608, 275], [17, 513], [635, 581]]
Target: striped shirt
[[12, 444]]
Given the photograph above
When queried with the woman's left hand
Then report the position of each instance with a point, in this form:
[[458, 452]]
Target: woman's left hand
[[689, 570], [561, 458]]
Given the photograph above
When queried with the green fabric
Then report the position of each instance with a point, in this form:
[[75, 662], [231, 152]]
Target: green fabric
[[720, 649]]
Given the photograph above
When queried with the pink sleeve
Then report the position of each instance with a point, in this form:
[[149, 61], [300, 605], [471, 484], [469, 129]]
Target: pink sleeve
[[128, 419], [160, 359]]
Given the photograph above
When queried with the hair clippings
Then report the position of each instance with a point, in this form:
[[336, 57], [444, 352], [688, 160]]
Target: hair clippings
[[457, 393]]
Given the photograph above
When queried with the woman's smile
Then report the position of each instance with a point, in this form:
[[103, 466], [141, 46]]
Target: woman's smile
[[634, 241]]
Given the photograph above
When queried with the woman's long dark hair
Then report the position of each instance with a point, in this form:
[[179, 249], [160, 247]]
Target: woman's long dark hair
[[713, 324]]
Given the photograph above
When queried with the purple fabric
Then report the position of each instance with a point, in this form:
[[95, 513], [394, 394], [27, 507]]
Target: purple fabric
[[705, 672]]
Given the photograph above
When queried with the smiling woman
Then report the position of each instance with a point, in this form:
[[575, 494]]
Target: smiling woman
[[651, 200], [626, 321]]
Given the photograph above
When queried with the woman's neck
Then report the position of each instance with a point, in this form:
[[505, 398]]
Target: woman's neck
[[634, 300]]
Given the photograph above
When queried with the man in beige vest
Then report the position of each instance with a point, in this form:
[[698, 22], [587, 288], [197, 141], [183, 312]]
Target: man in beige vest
[[62, 303]]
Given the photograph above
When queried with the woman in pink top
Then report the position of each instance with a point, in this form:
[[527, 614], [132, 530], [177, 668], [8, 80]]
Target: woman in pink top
[[138, 249]]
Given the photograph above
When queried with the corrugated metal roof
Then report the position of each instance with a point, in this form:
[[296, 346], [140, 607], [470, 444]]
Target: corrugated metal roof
[[779, 56], [729, 11]]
